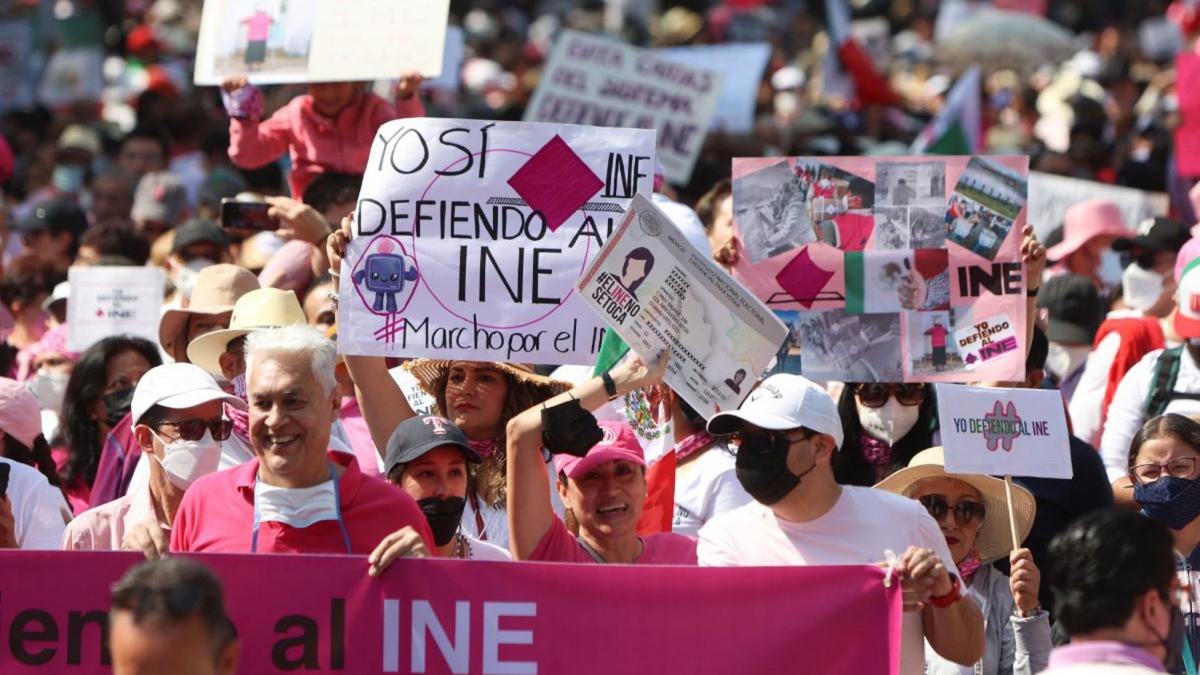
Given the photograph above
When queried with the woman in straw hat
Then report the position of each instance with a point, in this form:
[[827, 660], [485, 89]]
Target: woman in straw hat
[[480, 397], [970, 509]]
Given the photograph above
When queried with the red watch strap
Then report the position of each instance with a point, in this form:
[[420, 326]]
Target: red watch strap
[[943, 601]]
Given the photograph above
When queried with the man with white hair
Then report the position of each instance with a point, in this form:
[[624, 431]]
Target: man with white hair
[[295, 496]]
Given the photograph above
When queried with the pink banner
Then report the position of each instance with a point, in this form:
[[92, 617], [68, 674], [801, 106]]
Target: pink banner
[[324, 614]]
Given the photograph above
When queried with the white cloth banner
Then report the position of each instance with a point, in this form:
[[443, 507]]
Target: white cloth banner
[[1050, 196], [1004, 432], [658, 292], [108, 301], [470, 235], [591, 80]]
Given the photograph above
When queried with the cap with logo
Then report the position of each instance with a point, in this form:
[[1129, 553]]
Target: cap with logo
[[783, 402], [1156, 234], [54, 216], [177, 386], [617, 442], [418, 435]]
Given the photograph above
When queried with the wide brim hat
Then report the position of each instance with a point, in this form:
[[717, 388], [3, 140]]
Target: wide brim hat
[[994, 540], [428, 371], [218, 288], [261, 308]]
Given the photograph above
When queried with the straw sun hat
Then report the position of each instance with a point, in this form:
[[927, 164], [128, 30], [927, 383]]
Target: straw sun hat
[[427, 372], [994, 540]]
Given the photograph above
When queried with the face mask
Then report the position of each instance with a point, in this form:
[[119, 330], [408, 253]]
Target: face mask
[[295, 507], [1171, 501], [889, 422], [1062, 360], [1110, 268], [48, 388], [238, 383], [185, 461], [763, 472], [1173, 660], [443, 515], [569, 429], [116, 405], [185, 275], [1140, 287], [68, 177]]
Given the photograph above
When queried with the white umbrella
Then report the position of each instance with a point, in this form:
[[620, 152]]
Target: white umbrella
[[998, 39]]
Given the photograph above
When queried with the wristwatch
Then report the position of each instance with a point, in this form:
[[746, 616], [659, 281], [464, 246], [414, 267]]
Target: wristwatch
[[943, 601]]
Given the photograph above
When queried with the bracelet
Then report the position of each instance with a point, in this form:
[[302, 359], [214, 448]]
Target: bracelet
[[1032, 292], [943, 601], [610, 387], [333, 299], [335, 275]]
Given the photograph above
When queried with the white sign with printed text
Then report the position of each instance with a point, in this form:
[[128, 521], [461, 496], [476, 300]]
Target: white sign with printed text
[[1004, 431], [108, 301]]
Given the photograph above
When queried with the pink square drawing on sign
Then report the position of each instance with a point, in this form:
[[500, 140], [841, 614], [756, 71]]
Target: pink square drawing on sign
[[803, 279], [556, 182]]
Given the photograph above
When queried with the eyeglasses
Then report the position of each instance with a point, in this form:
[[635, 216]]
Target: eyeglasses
[[767, 441], [876, 394], [1180, 467], [965, 512], [193, 430]]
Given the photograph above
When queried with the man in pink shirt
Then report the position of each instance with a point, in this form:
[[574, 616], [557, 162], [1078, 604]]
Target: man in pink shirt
[[296, 496], [329, 129], [602, 479], [177, 420]]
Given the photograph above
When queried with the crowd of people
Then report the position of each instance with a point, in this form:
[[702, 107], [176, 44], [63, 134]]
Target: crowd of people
[[242, 429]]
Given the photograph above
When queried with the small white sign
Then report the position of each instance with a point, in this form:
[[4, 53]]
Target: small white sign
[[108, 301], [1004, 432]]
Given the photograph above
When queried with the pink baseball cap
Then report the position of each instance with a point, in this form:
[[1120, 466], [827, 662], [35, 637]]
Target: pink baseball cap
[[618, 443], [20, 415], [1085, 221], [1187, 253]]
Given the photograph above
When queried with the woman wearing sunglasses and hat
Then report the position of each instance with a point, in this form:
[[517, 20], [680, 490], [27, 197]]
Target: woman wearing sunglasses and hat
[[885, 425], [971, 511]]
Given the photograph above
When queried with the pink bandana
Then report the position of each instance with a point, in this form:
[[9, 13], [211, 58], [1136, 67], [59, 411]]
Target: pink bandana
[[485, 448], [875, 451], [694, 443], [241, 422], [967, 568]]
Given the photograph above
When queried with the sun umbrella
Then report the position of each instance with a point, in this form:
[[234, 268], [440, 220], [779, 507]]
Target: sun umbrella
[[998, 39]]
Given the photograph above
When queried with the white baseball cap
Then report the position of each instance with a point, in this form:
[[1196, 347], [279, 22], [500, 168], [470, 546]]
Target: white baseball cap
[[780, 403], [177, 385]]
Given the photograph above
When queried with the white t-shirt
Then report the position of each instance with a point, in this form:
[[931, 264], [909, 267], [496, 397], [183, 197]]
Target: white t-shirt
[[495, 519], [40, 513], [706, 487], [856, 531], [482, 550]]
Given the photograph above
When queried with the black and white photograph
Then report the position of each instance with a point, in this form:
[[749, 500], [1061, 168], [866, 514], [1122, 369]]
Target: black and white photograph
[[910, 199], [770, 209], [985, 203], [851, 347]]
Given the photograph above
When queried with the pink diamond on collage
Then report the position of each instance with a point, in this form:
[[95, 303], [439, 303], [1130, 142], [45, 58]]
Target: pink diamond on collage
[[556, 182]]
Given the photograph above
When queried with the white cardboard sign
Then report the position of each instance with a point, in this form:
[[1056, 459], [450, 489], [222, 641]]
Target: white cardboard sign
[[108, 301], [1004, 432]]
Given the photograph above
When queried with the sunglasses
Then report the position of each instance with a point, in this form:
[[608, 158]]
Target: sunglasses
[[876, 394], [965, 512], [193, 430]]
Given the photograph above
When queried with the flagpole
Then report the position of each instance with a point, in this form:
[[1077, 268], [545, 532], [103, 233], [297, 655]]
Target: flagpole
[[1012, 519]]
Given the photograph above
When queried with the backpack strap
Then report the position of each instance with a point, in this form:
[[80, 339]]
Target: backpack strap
[[1162, 390]]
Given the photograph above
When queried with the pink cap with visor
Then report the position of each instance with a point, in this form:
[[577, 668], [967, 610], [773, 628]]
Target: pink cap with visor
[[20, 416], [618, 442]]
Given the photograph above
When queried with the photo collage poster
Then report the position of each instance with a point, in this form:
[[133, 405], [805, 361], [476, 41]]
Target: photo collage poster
[[888, 269]]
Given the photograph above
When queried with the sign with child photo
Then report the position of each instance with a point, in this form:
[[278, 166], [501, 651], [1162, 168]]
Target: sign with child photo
[[897, 269], [469, 237]]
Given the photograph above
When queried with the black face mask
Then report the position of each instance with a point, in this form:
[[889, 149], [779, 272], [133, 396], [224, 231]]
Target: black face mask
[[761, 468], [569, 429], [1174, 642], [116, 405], [443, 515]]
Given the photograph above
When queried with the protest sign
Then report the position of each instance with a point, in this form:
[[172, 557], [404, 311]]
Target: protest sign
[[1004, 432], [16, 68], [470, 235], [741, 67], [108, 301], [272, 41], [1187, 134], [1050, 196], [886, 261], [443, 616], [658, 292], [591, 80]]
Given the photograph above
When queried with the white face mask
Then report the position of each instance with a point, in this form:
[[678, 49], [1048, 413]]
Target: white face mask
[[296, 507], [1063, 360], [48, 388], [889, 422], [1141, 288], [185, 461]]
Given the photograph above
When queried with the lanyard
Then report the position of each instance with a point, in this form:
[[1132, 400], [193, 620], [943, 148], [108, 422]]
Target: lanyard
[[337, 507], [1189, 662]]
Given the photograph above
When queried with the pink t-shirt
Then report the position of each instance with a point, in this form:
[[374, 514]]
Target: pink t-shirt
[[559, 545], [217, 515], [938, 335], [260, 26]]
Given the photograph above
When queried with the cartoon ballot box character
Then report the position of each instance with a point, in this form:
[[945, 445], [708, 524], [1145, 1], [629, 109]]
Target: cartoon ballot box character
[[384, 274]]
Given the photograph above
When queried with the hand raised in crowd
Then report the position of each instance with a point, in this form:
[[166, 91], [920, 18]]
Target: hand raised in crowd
[[1034, 255], [922, 576], [1025, 581], [298, 220], [729, 253], [634, 372], [233, 83], [409, 83], [403, 543], [336, 243], [8, 527], [148, 538]]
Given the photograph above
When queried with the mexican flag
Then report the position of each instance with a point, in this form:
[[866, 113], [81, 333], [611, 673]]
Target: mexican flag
[[869, 84], [957, 128]]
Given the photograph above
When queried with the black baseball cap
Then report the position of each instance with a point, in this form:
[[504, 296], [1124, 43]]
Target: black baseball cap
[[55, 215], [1156, 234], [1075, 309], [198, 232], [418, 435]]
